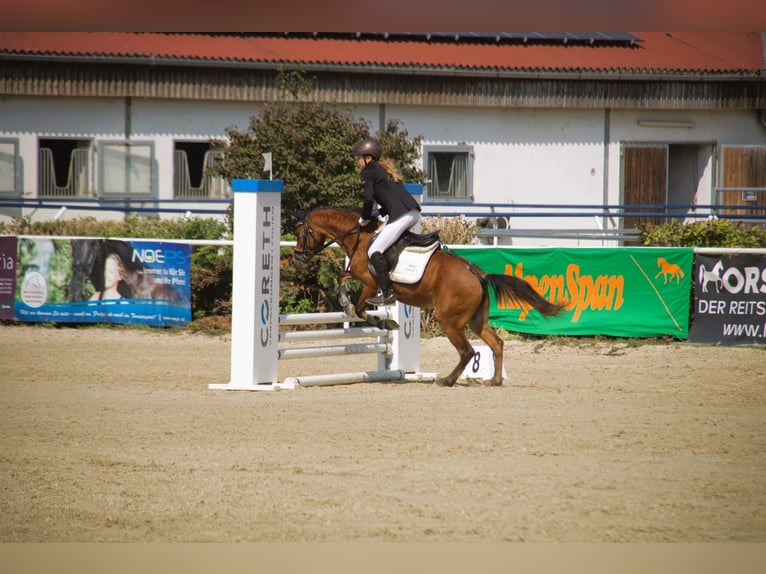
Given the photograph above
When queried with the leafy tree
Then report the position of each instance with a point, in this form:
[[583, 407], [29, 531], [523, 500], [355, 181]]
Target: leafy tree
[[310, 143]]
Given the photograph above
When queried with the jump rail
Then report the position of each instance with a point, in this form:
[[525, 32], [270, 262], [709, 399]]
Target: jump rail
[[384, 348]]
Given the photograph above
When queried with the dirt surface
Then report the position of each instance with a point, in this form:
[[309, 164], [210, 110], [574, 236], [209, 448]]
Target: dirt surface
[[113, 435]]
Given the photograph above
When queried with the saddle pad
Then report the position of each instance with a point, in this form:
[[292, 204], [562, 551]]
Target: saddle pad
[[412, 264]]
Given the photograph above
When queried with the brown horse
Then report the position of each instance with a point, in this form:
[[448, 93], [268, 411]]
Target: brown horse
[[454, 287]]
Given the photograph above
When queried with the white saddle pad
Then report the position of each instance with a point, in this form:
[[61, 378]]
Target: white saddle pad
[[412, 263]]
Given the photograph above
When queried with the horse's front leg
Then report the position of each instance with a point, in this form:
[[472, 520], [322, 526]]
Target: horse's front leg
[[358, 270], [343, 297], [369, 290], [360, 307]]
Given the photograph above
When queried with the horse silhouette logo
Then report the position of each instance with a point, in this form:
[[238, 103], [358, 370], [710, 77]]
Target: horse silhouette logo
[[669, 271], [714, 275]]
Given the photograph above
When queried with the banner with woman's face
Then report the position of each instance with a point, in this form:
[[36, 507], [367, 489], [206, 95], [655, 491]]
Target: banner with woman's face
[[102, 280]]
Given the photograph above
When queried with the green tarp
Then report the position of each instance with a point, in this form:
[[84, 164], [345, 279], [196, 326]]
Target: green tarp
[[625, 292]]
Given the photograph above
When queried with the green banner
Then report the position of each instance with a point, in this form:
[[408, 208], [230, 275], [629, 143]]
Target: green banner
[[623, 292]]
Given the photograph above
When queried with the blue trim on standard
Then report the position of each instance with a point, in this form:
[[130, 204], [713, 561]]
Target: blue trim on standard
[[414, 188], [257, 185]]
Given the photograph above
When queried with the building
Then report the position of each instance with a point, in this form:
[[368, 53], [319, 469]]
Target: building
[[513, 123]]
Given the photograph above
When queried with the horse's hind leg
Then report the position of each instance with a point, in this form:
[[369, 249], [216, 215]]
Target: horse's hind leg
[[466, 352], [480, 326]]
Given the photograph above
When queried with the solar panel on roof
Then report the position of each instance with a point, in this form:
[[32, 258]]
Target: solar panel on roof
[[564, 37], [482, 37]]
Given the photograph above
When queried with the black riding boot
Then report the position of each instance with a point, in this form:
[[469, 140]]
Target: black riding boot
[[384, 281]]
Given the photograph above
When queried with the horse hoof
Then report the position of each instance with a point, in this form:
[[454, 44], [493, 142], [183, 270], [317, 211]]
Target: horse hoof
[[444, 383]]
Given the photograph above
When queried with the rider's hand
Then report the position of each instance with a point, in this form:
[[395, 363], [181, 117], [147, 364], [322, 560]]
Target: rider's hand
[[363, 222]]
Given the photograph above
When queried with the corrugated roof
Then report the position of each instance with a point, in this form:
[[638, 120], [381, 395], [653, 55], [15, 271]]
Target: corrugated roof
[[657, 52]]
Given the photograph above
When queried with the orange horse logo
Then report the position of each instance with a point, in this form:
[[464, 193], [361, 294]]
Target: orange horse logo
[[669, 271]]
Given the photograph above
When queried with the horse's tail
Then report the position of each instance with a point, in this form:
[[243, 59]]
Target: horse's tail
[[518, 291], [509, 287]]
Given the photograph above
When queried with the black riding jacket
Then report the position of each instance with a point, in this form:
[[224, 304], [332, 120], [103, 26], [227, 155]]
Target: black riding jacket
[[377, 186]]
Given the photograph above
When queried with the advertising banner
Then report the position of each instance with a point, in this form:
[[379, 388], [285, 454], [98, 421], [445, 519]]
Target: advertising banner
[[625, 292], [103, 280], [730, 300], [7, 275]]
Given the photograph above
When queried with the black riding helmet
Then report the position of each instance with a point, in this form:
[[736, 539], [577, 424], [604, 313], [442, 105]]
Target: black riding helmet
[[368, 146]]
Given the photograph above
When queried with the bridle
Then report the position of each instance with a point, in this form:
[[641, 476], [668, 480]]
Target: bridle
[[301, 256]]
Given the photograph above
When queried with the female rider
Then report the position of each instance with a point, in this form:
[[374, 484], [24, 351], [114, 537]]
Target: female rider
[[382, 183]]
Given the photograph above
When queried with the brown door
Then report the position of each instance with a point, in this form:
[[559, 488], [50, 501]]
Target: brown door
[[644, 182], [744, 168]]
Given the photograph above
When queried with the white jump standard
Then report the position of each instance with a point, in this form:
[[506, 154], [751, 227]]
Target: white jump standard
[[255, 332]]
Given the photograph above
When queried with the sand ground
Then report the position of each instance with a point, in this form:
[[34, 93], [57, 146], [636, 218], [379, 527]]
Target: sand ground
[[112, 435]]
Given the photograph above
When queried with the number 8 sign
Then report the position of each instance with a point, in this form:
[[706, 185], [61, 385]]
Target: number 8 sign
[[482, 365]]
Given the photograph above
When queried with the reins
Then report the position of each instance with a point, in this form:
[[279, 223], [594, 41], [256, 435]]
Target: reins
[[307, 229]]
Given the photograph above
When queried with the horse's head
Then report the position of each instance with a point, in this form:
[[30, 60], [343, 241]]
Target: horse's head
[[308, 241], [321, 227]]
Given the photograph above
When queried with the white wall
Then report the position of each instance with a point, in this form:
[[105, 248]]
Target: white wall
[[160, 121], [547, 156], [710, 127], [521, 156], [166, 121]]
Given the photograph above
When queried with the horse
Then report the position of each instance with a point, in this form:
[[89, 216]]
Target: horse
[[668, 269], [455, 288], [714, 276]]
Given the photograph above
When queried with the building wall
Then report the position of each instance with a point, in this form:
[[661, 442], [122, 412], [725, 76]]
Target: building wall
[[113, 119], [551, 156]]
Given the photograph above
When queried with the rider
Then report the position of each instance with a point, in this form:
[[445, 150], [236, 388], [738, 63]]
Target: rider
[[382, 183]]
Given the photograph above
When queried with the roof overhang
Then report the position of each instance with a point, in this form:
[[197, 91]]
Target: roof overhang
[[396, 70]]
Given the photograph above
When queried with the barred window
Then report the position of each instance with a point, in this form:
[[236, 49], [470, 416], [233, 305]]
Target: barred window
[[449, 173]]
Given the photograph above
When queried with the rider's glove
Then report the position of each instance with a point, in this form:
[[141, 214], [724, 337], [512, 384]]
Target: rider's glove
[[363, 222]]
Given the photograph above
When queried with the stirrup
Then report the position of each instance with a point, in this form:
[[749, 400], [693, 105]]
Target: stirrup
[[384, 299]]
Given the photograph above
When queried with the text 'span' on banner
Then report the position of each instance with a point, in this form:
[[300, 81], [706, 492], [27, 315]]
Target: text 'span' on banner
[[623, 292]]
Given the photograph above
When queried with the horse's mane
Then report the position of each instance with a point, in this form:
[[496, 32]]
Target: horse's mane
[[352, 209]]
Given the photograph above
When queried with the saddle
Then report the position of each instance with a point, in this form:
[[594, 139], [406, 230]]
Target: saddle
[[408, 257]]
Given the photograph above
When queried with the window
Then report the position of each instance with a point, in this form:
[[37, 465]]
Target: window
[[64, 168], [190, 180], [449, 172], [126, 169], [9, 150]]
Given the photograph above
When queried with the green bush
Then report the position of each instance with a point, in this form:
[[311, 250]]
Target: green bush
[[708, 233]]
